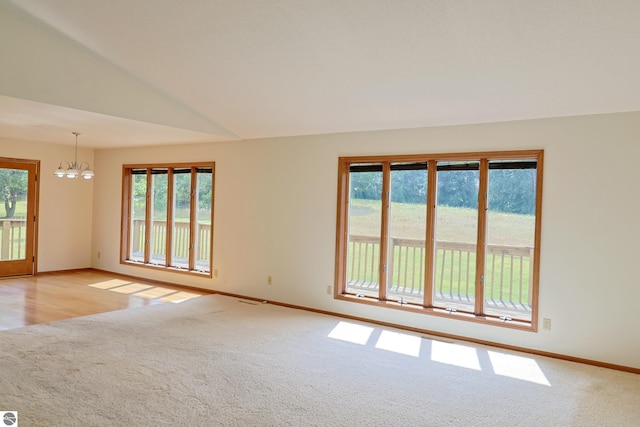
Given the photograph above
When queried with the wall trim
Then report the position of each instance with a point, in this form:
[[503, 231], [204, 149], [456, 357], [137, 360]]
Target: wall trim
[[427, 333]]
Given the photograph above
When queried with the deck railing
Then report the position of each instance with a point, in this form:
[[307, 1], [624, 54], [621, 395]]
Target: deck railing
[[13, 234], [180, 240], [507, 281]]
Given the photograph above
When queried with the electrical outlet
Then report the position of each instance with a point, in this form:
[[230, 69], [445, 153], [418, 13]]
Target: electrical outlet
[[98, 254], [215, 273], [546, 324], [329, 290], [269, 280]]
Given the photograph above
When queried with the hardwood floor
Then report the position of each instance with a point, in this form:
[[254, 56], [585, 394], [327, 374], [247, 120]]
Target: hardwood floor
[[48, 297]]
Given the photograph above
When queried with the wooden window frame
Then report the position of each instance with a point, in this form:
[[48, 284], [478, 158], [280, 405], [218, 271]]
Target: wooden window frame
[[127, 198], [478, 315]]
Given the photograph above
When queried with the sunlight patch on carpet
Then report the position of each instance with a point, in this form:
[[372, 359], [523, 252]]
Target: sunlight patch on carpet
[[351, 332], [399, 343], [518, 367], [455, 354]]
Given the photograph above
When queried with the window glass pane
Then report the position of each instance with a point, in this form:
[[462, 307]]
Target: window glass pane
[[365, 219], [407, 232], [203, 226], [181, 218], [158, 245], [510, 239], [13, 224], [138, 215], [456, 234]]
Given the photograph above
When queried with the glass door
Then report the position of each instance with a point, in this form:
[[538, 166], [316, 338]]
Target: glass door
[[17, 216]]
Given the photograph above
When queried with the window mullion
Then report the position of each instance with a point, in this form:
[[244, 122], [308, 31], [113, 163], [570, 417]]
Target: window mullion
[[384, 234], [169, 228], [193, 211], [211, 207], [481, 245], [430, 249], [148, 220]]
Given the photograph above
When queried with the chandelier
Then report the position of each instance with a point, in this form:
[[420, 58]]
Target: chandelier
[[73, 169]]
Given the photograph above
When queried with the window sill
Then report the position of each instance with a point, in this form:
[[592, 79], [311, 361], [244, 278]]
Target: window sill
[[469, 317], [169, 269]]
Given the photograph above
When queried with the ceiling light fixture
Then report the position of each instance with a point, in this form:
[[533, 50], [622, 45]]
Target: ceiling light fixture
[[73, 169]]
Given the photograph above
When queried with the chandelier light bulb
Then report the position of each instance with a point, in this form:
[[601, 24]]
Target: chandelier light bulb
[[73, 170]]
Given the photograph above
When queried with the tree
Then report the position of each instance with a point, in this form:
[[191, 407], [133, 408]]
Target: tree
[[409, 186], [366, 185], [458, 189], [181, 192], [513, 191], [205, 187], [510, 190], [13, 185]]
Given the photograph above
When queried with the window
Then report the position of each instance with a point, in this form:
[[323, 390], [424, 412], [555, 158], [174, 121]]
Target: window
[[448, 234], [167, 216]]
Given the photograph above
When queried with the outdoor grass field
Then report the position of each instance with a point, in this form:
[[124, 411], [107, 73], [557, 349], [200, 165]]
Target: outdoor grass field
[[452, 224]]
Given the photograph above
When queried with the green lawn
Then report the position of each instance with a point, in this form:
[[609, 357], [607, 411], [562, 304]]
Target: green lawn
[[452, 224], [180, 215]]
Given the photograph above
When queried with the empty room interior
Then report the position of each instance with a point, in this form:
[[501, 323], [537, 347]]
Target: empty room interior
[[463, 172]]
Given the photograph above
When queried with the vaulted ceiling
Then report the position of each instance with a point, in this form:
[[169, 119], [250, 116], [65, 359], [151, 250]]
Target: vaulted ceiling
[[142, 72]]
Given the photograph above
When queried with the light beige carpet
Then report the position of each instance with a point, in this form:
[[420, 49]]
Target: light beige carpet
[[216, 361]]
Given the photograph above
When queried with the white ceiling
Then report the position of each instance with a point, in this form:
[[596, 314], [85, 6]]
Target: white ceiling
[[264, 68]]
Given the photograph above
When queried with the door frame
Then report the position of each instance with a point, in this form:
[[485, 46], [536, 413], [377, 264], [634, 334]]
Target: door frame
[[33, 203]]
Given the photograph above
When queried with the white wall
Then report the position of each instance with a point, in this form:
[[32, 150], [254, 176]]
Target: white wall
[[65, 205], [275, 214]]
